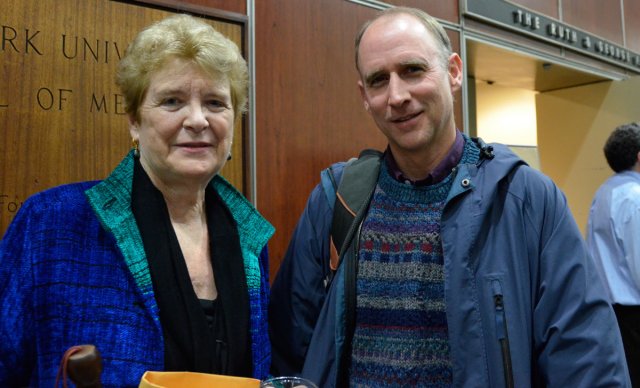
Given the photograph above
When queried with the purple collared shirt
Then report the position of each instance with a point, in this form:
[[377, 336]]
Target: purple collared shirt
[[442, 170]]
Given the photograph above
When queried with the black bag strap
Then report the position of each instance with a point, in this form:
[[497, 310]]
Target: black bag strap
[[350, 199], [350, 196], [359, 178]]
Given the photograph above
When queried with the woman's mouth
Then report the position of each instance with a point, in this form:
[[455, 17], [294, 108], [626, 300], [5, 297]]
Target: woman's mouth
[[194, 145]]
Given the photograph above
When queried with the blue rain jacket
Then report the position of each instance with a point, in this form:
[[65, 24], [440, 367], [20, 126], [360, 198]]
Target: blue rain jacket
[[516, 272]]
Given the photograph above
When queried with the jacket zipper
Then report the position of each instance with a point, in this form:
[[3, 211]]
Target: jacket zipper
[[502, 334], [351, 271], [350, 285]]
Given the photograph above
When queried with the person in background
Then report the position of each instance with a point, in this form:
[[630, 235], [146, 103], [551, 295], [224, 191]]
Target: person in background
[[162, 265], [613, 237], [465, 267]]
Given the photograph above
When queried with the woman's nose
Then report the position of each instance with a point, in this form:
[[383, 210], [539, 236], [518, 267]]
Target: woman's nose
[[196, 119]]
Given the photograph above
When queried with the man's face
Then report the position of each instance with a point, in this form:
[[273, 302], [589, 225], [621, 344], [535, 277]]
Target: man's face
[[406, 86]]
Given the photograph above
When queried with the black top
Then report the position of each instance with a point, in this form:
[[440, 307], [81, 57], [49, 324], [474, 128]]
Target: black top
[[199, 336]]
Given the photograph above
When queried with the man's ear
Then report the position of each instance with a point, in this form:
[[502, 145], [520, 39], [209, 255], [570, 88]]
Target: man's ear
[[363, 95], [455, 72]]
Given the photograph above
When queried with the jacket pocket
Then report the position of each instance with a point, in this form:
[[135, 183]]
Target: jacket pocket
[[502, 334]]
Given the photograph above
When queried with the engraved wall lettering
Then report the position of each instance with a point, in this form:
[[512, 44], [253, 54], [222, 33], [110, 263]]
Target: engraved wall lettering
[[10, 205], [61, 115], [49, 99], [102, 104], [11, 40], [85, 49]]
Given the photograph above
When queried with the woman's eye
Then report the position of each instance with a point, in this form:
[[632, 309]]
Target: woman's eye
[[217, 104], [171, 101]]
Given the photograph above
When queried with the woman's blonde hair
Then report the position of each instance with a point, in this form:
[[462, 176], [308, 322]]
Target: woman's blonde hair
[[184, 37]]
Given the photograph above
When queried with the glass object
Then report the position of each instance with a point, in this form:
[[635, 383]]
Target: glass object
[[287, 382]]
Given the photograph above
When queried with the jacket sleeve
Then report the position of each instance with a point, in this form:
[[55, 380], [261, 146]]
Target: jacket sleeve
[[17, 348], [299, 289], [576, 337]]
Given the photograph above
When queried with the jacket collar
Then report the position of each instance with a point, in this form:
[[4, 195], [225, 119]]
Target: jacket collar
[[111, 201], [479, 183], [468, 175]]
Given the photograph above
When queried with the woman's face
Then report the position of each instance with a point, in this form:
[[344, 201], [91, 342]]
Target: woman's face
[[186, 125]]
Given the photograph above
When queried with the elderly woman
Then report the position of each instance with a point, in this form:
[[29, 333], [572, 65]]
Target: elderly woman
[[163, 265]]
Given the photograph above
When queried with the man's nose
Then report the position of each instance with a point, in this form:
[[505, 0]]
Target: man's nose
[[398, 92]]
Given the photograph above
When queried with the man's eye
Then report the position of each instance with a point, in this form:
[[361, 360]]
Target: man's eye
[[414, 69], [377, 81]]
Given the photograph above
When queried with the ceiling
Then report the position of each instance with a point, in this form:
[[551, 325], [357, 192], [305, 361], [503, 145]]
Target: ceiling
[[513, 69]]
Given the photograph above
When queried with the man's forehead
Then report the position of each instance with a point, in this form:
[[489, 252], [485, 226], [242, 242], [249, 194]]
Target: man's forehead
[[395, 63], [395, 23], [375, 57], [389, 31]]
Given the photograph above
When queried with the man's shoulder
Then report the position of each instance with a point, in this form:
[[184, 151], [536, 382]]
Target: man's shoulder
[[626, 192], [517, 176]]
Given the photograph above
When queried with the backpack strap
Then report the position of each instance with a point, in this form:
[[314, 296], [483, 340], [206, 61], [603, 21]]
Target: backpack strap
[[349, 197], [329, 185]]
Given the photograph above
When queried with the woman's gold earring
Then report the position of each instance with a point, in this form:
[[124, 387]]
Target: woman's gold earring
[[134, 144]]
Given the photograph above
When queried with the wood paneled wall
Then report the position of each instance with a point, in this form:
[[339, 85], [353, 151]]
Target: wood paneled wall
[[62, 117], [309, 111], [631, 24], [602, 18], [443, 10], [235, 6]]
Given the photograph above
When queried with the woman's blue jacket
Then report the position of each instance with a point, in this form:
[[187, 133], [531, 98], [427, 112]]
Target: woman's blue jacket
[[73, 271]]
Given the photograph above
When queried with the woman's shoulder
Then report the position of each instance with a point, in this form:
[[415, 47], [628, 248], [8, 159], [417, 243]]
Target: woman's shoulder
[[64, 196], [58, 207]]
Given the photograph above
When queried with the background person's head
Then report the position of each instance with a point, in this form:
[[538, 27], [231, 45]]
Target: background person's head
[[183, 37], [622, 148]]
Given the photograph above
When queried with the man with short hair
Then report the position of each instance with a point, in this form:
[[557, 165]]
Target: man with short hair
[[613, 237], [464, 268]]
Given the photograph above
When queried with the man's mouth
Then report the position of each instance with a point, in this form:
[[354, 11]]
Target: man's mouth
[[404, 118]]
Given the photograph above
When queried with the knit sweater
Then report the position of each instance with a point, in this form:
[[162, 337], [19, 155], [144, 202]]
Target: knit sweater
[[401, 335]]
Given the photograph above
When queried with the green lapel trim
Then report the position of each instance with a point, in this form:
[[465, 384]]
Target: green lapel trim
[[111, 201], [254, 231]]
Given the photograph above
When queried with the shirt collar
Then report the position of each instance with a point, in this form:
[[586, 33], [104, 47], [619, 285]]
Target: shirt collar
[[441, 171]]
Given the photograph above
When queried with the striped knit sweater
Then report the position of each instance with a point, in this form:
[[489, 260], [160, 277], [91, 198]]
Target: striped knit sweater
[[401, 336]]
